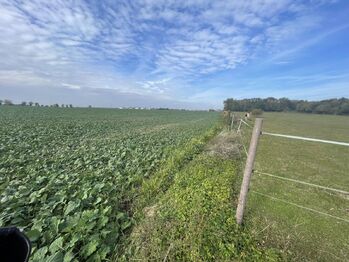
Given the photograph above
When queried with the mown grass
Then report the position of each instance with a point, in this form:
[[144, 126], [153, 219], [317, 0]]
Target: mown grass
[[302, 235]]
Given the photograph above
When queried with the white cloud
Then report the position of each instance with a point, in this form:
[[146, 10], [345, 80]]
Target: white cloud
[[71, 86], [125, 45]]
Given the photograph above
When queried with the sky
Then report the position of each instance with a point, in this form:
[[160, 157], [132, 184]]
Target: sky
[[175, 53]]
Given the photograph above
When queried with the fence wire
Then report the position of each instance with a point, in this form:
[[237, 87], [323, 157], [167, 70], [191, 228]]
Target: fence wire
[[302, 182], [246, 123], [307, 139], [302, 207]]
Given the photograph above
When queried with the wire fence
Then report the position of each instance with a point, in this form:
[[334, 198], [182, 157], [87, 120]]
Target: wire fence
[[300, 206], [307, 139], [302, 182], [339, 191]]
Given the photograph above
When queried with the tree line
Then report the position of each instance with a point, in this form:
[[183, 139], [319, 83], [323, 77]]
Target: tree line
[[330, 106], [8, 102]]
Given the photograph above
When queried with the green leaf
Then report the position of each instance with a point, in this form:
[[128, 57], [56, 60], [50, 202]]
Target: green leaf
[[98, 200], [40, 254], [104, 252], [126, 225], [56, 245], [16, 220], [69, 256], [95, 258], [120, 215], [33, 235], [71, 207], [88, 249], [57, 257]]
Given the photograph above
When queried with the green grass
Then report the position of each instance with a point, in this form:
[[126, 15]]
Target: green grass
[[194, 219], [68, 177], [302, 235]]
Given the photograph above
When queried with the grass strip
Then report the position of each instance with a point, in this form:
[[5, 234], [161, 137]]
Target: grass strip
[[186, 212]]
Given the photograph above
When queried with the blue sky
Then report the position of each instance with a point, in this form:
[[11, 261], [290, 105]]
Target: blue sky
[[175, 53]]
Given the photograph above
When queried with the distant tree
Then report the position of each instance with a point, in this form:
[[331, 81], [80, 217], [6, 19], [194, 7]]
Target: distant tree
[[67, 106], [8, 102], [329, 106], [286, 104], [30, 103], [23, 103], [304, 107], [71, 106], [323, 109], [1, 102], [89, 106], [55, 105], [257, 112], [37, 104], [344, 109]]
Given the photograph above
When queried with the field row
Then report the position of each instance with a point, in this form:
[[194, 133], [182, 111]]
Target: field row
[[68, 176]]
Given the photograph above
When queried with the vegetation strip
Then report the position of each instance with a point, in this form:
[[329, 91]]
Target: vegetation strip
[[194, 219]]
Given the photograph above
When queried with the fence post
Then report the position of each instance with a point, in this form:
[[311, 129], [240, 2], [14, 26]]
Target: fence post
[[232, 122], [248, 170], [239, 126]]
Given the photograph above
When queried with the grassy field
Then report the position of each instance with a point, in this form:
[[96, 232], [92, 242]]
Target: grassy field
[[302, 235], [68, 176]]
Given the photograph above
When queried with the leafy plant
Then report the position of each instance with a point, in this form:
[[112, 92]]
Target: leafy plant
[[69, 177]]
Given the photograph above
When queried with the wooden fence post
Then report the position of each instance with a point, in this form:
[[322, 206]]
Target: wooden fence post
[[239, 126], [248, 170], [232, 122]]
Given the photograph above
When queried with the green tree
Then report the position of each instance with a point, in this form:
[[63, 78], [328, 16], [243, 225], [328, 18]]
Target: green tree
[[344, 109], [329, 106], [303, 107], [324, 108]]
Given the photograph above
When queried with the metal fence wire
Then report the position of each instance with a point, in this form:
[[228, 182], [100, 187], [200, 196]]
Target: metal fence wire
[[260, 173]]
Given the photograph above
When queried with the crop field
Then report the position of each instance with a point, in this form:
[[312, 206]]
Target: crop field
[[68, 176], [302, 234], [104, 184]]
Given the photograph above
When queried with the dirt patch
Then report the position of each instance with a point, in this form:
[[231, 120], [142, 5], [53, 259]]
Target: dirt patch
[[150, 211], [226, 145]]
